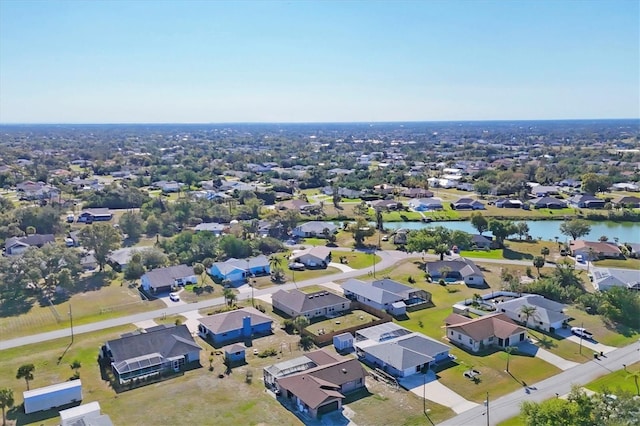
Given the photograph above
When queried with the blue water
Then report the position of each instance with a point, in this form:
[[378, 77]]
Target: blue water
[[626, 232]]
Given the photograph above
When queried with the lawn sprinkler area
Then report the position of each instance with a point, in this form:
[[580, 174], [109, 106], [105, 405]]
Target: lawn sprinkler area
[[342, 322]]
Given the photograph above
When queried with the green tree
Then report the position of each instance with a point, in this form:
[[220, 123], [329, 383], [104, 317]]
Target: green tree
[[6, 401], [592, 183], [509, 350], [575, 228], [360, 230], [132, 225], [75, 366], [25, 372], [544, 251], [300, 322], [102, 238], [538, 262], [153, 258], [153, 226], [229, 296], [441, 249], [522, 229], [528, 312], [482, 187], [379, 220], [199, 269], [635, 375], [479, 222], [501, 229], [134, 270]]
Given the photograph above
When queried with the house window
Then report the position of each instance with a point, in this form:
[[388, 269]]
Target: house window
[[451, 332], [459, 336], [471, 341], [491, 339]]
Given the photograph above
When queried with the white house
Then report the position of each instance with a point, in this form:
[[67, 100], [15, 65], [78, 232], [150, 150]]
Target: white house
[[163, 279], [314, 229]]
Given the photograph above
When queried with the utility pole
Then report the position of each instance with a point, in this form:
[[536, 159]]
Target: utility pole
[[373, 253], [71, 320], [581, 326], [487, 404]]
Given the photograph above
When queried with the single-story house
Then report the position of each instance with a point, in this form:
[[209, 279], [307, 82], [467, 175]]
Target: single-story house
[[481, 241], [505, 203], [157, 349], [417, 193], [317, 382], [235, 354], [386, 204], [314, 229], [167, 186], [163, 279], [627, 201], [36, 190], [95, 215], [587, 201], [425, 204], [299, 205], [214, 228], [594, 250], [398, 351], [311, 305], [461, 269], [571, 183], [400, 237], [476, 334], [18, 245], [233, 326], [626, 186], [385, 295], [544, 190], [237, 270], [119, 259], [466, 203], [548, 203], [313, 257], [605, 278], [548, 316]]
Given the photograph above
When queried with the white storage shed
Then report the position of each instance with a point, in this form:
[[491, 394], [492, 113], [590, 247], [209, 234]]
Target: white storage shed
[[343, 342], [52, 396]]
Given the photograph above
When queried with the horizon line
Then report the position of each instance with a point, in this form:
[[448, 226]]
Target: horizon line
[[69, 123]]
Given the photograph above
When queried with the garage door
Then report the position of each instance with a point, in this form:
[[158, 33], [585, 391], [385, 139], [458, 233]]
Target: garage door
[[327, 408]]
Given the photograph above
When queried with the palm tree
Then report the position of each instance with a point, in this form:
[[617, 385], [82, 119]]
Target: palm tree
[[6, 401], [510, 350], [544, 251], [300, 322], [229, 296], [26, 372], [275, 262], [538, 262], [635, 375], [75, 365], [528, 312]]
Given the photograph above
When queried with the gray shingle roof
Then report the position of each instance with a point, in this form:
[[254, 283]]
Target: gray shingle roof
[[232, 320], [305, 302], [164, 277], [163, 342]]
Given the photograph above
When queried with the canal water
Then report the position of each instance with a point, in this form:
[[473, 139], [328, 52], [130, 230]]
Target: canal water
[[626, 232]]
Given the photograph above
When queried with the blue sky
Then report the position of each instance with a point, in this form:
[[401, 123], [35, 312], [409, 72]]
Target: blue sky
[[296, 61]]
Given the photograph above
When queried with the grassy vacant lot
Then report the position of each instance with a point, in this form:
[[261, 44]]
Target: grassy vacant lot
[[602, 331], [100, 301], [350, 319], [618, 263], [620, 379]]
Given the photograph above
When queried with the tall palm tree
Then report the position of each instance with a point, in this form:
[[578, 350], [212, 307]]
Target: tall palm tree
[[229, 296], [635, 375], [544, 251], [275, 262], [510, 350], [75, 365], [6, 401], [528, 312], [26, 372]]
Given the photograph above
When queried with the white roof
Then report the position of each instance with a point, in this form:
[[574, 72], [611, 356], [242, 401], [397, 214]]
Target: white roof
[[53, 388], [80, 410]]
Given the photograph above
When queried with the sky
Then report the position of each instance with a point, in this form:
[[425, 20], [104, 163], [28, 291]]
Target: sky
[[317, 61]]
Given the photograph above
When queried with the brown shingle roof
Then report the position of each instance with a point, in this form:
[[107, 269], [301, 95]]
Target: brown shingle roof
[[498, 325]]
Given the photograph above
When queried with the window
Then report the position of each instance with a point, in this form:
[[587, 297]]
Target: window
[[451, 333], [459, 336], [471, 341]]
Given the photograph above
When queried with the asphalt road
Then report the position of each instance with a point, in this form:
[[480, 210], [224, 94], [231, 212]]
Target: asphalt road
[[388, 259], [508, 406]]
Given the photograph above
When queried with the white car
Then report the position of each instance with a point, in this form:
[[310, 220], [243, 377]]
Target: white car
[[581, 332], [174, 297], [579, 258]]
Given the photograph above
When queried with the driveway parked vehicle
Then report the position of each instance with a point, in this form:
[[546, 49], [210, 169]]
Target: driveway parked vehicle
[[581, 332]]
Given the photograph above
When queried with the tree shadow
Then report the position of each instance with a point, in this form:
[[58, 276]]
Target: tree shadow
[[17, 305], [515, 255]]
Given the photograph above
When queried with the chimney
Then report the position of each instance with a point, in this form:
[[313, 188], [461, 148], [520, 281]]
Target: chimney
[[246, 326]]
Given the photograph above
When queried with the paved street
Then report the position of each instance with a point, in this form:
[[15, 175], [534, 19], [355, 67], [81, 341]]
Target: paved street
[[508, 406]]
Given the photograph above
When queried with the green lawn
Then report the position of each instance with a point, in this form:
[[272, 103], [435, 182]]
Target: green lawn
[[513, 421], [351, 319], [618, 263], [602, 331], [620, 379], [401, 216], [562, 347], [357, 259], [482, 254]]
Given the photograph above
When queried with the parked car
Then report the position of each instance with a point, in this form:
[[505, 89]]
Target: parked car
[[385, 238], [581, 332], [579, 258], [174, 297], [296, 266]]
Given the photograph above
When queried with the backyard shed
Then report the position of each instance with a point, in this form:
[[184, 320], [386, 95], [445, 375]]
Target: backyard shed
[[85, 414], [343, 342], [235, 354], [52, 396]]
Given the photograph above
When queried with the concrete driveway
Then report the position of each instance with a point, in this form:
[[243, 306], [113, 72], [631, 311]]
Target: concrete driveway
[[590, 344], [545, 355], [435, 391], [170, 303]]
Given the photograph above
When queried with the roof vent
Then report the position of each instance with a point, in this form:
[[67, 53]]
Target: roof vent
[[344, 371]]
